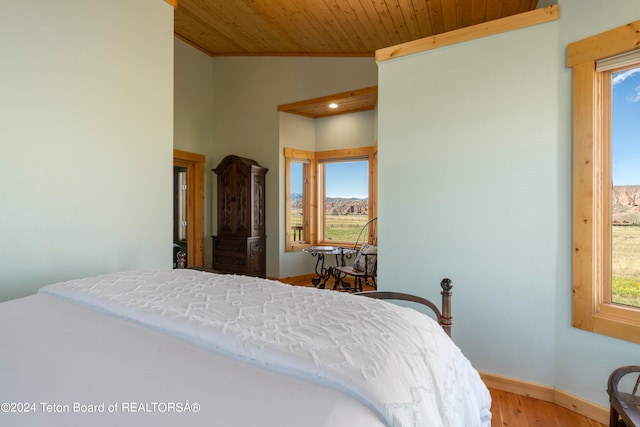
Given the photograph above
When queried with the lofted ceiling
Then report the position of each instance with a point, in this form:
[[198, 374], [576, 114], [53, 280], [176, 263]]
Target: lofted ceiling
[[327, 27]]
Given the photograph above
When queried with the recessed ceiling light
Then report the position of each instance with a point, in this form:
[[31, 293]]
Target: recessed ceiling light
[[334, 105]]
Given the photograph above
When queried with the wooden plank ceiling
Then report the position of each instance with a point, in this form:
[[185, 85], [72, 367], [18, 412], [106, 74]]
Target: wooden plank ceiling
[[327, 27], [346, 102]]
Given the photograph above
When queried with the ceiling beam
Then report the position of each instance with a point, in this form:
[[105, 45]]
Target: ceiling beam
[[514, 22]]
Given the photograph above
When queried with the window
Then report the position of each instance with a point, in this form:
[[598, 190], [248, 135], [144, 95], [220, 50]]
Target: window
[[330, 195], [344, 199], [298, 195], [598, 303], [625, 182]]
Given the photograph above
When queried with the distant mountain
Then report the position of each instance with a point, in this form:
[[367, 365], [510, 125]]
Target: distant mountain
[[337, 205], [624, 205], [340, 206]]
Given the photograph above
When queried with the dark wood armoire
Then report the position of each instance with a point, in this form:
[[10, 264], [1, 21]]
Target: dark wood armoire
[[239, 246]]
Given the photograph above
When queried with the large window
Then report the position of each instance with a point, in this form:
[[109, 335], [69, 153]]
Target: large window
[[606, 139], [330, 195], [625, 180]]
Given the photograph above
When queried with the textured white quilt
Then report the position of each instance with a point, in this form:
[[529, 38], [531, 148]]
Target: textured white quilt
[[396, 360]]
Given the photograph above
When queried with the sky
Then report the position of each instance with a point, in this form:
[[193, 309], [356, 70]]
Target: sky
[[343, 179], [625, 127], [346, 179]]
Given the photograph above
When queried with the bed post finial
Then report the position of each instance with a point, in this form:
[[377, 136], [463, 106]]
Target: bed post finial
[[446, 320]]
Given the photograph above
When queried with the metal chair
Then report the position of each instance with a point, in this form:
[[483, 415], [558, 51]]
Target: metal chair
[[625, 407], [365, 266]]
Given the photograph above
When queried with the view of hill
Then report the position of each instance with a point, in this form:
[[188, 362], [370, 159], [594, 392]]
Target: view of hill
[[624, 205], [337, 205], [340, 206]]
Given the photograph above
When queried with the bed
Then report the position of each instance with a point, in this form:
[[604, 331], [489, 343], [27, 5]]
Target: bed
[[194, 348]]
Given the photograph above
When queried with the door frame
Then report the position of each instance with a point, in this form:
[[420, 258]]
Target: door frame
[[195, 204]]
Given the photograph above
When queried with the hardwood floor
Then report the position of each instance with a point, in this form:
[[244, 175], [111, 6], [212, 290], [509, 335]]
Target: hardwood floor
[[513, 410], [306, 281]]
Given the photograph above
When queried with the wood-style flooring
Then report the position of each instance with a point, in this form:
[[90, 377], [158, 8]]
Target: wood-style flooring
[[509, 409], [514, 410]]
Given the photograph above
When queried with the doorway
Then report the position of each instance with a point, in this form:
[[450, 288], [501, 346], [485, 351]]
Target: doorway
[[180, 220], [188, 207]]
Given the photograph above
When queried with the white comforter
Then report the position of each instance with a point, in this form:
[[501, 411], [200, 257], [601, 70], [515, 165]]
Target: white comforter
[[394, 359]]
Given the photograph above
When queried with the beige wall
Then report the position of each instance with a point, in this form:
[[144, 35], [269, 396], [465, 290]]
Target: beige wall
[[86, 130]]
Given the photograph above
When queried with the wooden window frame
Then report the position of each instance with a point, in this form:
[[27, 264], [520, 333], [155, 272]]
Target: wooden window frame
[[361, 153], [314, 192], [308, 211], [592, 306]]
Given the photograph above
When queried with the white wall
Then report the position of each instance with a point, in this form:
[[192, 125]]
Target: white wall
[[297, 132], [247, 92], [346, 131], [475, 184], [193, 119], [86, 135], [193, 99]]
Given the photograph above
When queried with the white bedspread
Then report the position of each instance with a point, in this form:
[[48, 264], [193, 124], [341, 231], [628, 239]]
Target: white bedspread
[[394, 359]]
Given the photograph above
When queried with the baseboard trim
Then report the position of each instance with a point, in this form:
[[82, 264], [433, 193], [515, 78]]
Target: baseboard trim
[[548, 394]]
